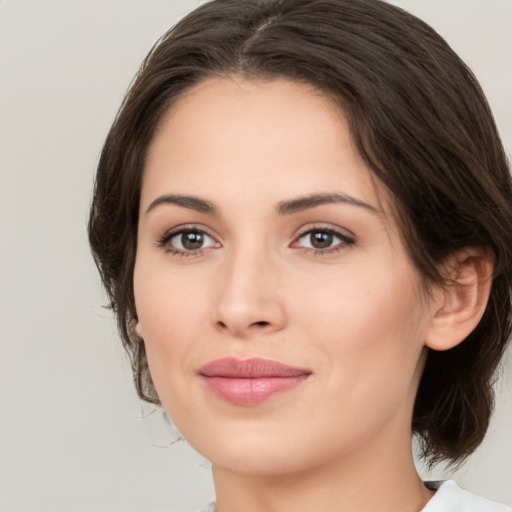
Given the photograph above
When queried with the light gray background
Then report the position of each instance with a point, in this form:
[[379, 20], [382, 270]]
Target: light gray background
[[71, 434]]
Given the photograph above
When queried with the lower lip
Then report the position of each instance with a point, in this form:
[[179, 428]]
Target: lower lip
[[251, 391]]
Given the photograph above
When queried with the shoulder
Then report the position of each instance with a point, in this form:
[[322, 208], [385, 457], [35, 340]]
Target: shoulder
[[450, 497]]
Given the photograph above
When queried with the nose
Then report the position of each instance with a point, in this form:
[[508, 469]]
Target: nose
[[248, 300]]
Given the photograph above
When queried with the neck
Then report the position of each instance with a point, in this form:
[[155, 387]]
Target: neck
[[377, 478]]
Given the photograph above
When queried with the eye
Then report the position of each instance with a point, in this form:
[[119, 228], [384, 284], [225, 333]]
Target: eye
[[187, 241], [323, 240]]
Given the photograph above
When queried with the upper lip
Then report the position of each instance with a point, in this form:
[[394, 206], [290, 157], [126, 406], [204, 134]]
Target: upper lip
[[230, 367]]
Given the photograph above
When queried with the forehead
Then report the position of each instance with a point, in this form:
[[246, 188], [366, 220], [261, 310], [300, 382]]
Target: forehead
[[255, 138]]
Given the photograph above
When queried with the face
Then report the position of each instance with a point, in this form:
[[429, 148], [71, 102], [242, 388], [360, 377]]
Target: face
[[281, 314]]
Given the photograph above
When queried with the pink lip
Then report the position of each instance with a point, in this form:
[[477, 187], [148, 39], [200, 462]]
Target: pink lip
[[250, 381]]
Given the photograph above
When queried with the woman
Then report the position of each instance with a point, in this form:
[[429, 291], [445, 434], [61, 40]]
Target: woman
[[302, 217]]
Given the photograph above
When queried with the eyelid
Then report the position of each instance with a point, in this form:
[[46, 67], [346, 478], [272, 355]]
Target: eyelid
[[341, 232], [347, 239], [164, 239]]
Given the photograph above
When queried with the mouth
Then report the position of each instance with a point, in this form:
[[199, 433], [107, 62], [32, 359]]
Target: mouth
[[250, 381]]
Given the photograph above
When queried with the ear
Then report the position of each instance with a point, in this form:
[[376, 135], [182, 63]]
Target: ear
[[460, 303]]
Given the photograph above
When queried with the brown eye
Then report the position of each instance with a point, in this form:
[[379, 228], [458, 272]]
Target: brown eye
[[321, 239], [188, 241], [191, 240]]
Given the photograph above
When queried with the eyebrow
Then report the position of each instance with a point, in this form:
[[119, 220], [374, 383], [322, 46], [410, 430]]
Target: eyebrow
[[287, 207], [190, 202], [311, 201]]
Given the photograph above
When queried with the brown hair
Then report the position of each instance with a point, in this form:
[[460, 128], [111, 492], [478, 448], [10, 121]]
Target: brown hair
[[418, 118]]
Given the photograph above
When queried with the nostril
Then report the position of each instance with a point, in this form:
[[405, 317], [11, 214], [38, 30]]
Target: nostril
[[261, 323]]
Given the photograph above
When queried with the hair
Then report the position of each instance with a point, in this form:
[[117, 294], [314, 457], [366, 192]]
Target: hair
[[418, 118]]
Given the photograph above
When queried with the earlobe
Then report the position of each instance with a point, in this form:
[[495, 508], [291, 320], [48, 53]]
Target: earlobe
[[460, 303]]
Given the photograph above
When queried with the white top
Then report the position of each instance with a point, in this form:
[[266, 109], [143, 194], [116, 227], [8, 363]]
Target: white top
[[449, 497]]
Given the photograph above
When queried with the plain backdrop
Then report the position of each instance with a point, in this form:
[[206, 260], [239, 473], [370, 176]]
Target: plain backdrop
[[72, 436]]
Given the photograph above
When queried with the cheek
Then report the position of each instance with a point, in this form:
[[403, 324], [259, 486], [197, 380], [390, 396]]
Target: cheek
[[171, 312], [166, 302], [352, 302], [369, 326], [368, 338]]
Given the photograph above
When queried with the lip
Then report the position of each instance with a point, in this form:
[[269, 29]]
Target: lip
[[250, 381]]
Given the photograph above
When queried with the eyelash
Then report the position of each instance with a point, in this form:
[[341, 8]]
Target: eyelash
[[345, 241], [163, 241]]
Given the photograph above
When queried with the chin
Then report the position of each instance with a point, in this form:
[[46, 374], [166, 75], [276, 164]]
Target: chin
[[257, 454], [257, 462]]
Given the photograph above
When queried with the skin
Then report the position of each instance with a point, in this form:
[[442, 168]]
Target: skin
[[353, 313]]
